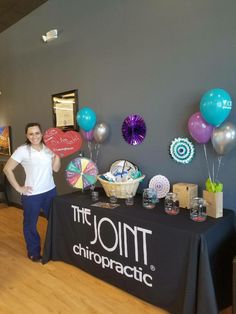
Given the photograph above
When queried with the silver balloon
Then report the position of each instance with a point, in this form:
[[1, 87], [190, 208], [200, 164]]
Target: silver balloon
[[101, 132], [223, 138]]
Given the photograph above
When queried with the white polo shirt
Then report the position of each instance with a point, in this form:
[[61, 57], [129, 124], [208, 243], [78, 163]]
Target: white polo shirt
[[37, 166]]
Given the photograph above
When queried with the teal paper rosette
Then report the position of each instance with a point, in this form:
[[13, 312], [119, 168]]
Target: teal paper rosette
[[182, 150]]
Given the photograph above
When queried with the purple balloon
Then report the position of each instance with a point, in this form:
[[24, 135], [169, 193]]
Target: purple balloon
[[199, 129], [87, 135]]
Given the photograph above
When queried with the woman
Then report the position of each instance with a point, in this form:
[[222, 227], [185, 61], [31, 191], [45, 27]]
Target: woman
[[39, 189]]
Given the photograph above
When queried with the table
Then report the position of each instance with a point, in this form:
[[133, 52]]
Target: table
[[170, 261]]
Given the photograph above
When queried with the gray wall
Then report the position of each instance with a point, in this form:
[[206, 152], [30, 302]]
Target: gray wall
[[151, 57]]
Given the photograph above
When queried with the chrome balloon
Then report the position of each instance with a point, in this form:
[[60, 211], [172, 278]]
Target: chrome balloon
[[101, 132], [223, 138]]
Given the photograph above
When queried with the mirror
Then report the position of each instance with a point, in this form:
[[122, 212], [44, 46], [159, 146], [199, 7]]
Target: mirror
[[65, 107]]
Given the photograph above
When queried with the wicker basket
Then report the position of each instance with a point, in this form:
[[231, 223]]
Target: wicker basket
[[121, 188]]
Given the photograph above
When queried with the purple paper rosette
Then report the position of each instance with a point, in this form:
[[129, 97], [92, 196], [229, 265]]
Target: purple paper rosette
[[134, 129]]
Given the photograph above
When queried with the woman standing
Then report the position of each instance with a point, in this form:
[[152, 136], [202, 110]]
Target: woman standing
[[39, 189]]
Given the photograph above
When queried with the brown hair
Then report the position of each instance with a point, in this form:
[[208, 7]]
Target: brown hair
[[29, 125]]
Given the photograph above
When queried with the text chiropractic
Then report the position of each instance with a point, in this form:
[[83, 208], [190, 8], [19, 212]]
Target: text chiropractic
[[105, 262]]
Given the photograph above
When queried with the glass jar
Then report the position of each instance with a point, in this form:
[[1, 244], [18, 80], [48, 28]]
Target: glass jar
[[94, 196], [198, 209], [149, 198], [113, 197], [129, 199], [171, 204]]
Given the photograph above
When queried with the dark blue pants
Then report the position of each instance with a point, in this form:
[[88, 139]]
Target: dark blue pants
[[32, 204]]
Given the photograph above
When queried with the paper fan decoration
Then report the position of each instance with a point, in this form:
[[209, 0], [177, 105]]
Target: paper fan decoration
[[134, 129], [81, 173], [160, 184], [182, 150]]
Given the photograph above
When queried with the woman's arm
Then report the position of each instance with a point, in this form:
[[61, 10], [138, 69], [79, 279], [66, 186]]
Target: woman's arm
[[56, 163], [8, 170]]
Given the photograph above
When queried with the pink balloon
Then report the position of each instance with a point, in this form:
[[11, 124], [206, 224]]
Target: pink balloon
[[199, 129], [87, 135]]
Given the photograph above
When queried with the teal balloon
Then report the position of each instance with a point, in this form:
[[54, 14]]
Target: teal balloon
[[215, 106], [86, 119]]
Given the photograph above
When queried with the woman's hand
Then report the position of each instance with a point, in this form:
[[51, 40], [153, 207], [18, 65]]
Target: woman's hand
[[56, 163], [25, 190]]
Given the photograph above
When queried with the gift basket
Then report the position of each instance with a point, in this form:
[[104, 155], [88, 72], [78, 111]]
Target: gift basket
[[122, 179], [121, 188]]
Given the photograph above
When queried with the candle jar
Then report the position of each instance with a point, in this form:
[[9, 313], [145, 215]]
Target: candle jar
[[149, 198], [171, 204], [198, 209]]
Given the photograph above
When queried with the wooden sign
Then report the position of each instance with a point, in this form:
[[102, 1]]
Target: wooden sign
[[62, 143]]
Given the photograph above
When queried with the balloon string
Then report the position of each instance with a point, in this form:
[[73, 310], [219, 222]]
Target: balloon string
[[90, 150], [213, 171], [208, 169], [218, 168], [97, 147]]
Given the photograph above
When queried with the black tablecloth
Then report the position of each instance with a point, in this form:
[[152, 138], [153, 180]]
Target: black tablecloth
[[182, 266]]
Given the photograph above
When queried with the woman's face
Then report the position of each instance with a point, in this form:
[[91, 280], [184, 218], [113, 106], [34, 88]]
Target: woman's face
[[34, 135]]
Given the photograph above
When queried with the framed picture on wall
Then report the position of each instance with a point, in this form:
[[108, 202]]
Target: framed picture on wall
[[5, 141], [65, 107]]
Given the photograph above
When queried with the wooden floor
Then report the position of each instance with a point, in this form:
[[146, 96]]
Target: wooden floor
[[27, 287]]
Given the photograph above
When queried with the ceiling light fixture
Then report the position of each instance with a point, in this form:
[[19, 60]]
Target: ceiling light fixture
[[50, 35]]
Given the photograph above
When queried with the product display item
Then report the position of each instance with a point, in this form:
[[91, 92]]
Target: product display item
[[160, 184], [81, 173]]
